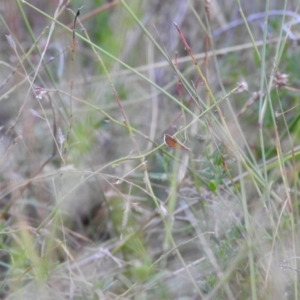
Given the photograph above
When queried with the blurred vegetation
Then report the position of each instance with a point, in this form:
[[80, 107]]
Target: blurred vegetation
[[95, 203]]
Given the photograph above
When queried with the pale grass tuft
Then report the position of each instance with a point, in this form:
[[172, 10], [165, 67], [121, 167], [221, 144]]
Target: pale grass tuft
[[39, 92], [280, 80], [242, 87], [162, 210], [11, 42], [60, 136], [67, 168], [35, 113], [126, 213]]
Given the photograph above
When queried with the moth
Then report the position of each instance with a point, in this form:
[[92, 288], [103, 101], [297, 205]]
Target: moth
[[173, 143]]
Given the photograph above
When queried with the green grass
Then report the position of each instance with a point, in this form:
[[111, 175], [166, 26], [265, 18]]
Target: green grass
[[94, 205]]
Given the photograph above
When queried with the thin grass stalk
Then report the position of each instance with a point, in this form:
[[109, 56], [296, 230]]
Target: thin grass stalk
[[288, 200], [54, 20], [21, 60], [40, 61], [248, 29], [279, 52], [52, 155], [253, 276], [222, 86], [172, 200], [209, 253], [147, 180], [179, 91], [154, 99], [263, 105], [133, 70], [72, 71], [145, 30], [116, 95]]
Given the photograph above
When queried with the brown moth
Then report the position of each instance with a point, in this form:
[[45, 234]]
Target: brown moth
[[173, 143]]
